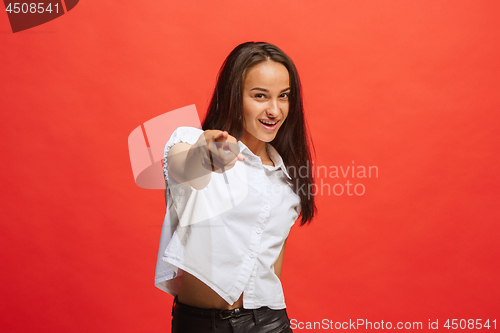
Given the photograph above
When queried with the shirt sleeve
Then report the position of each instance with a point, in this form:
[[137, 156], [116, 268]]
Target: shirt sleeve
[[187, 135]]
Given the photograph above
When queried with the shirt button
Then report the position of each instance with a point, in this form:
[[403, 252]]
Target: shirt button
[[258, 231], [251, 255], [266, 207]]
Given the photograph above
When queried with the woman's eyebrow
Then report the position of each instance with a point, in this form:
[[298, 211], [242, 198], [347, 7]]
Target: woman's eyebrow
[[265, 90], [260, 89]]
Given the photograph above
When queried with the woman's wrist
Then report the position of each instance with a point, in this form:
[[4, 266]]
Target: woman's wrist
[[198, 166]]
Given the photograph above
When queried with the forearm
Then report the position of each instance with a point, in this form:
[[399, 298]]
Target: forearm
[[193, 165], [197, 167], [186, 165]]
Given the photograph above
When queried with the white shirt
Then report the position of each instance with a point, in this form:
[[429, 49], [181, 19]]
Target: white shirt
[[229, 234]]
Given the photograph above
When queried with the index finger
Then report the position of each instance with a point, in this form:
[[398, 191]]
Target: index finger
[[230, 147], [221, 137]]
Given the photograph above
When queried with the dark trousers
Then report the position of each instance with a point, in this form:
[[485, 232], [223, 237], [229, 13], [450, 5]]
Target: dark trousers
[[189, 319]]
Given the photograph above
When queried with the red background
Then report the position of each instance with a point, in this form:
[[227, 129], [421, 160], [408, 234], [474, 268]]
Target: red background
[[408, 86]]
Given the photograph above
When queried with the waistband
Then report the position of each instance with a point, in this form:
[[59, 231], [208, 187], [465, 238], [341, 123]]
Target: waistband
[[217, 313]]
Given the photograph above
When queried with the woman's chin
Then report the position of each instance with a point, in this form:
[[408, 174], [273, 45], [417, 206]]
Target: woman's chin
[[268, 137], [260, 135]]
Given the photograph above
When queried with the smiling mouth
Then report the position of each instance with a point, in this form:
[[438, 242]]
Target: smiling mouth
[[268, 122]]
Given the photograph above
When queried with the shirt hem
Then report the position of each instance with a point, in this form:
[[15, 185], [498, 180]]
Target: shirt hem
[[192, 271], [271, 306]]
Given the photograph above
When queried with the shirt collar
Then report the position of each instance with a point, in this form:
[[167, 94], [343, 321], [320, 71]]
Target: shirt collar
[[273, 155]]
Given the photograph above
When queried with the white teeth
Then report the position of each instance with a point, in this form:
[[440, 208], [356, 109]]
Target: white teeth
[[268, 122]]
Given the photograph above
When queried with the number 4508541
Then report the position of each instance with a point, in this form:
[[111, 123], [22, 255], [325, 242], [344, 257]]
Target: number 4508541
[[470, 324], [31, 8]]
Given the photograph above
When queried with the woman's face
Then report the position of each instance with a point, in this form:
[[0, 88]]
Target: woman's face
[[265, 101]]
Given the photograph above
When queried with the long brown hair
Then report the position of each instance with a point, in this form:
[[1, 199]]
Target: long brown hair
[[225, 113]]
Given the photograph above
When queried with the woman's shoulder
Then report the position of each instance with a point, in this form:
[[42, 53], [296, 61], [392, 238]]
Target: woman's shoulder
[[187, 131], [184, 134]]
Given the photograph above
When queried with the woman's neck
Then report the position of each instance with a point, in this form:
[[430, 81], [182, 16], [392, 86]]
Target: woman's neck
[[257, 147]]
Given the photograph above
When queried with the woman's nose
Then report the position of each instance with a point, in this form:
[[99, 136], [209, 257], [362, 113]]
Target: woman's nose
[[273, 109]]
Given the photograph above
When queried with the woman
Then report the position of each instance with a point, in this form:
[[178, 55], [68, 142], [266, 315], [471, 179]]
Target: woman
[[234, 192]]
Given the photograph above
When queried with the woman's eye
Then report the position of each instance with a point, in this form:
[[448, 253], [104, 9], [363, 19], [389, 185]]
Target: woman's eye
[[260, 96], [285, 95]]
